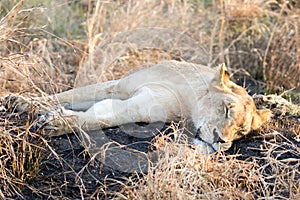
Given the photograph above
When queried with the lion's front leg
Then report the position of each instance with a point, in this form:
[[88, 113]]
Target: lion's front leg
[[106, 113]]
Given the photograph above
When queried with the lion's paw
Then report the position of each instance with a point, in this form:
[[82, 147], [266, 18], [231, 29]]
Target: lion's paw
[[58, 122]]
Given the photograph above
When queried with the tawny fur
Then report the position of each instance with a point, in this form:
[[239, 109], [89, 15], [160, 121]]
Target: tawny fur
[[220, 110]]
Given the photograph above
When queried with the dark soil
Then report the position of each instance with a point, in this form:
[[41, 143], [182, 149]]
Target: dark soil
[[70, 174]]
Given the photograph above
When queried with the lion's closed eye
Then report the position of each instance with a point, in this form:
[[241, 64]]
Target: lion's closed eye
[[228, 106], [226, 109]]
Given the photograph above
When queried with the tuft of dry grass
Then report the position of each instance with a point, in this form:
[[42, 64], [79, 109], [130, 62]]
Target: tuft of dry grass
[[128, 31], [259, 36], [54, 45], [22, 149], [30, 60], [281, 62]]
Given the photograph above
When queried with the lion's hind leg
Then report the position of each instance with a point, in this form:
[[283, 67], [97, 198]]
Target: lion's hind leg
[[82, 98]]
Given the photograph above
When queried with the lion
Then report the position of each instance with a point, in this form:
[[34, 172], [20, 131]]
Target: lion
[[220, 110]]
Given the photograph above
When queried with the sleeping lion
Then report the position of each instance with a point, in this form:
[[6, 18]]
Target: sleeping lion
[[220, 110]]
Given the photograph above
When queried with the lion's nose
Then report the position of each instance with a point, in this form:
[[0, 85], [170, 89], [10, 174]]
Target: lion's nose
[[219, 140]]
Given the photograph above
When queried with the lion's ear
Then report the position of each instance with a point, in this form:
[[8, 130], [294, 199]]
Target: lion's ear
[[260, 117], [221, 79]]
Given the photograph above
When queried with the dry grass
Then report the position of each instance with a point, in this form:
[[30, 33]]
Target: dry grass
[[243, 34], [32, 59], [183, 173], [43, 53], [22, 150]]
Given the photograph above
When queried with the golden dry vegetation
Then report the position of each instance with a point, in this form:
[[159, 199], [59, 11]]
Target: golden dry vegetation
[[49, 46]]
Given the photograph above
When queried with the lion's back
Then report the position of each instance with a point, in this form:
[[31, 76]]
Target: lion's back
[[174, 75]]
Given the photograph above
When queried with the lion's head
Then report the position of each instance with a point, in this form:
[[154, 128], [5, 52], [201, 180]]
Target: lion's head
[[226, 113]]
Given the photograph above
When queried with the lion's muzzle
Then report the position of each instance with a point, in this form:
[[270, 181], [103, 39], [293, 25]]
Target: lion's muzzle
[[217, 143]]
